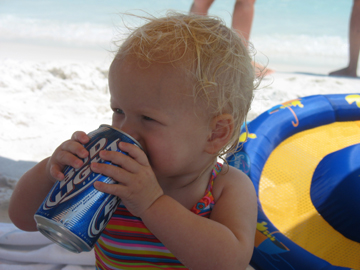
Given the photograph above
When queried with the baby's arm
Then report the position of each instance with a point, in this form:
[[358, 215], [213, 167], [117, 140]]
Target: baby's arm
[[28, 195], [35, 184], [225, 241]]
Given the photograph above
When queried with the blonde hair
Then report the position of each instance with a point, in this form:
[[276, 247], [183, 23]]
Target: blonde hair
[[214, 54]]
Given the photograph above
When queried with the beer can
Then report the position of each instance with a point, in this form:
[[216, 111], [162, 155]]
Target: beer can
[[74, 213]]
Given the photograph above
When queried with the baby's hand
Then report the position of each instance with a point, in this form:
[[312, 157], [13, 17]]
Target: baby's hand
[[69, 153], [138, 187]]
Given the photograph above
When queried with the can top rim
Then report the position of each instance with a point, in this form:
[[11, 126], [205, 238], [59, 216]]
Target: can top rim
[[114, 128]]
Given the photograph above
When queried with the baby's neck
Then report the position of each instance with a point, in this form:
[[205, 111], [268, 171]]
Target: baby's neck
[[187, 189]]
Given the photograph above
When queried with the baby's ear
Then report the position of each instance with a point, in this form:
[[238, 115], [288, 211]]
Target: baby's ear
[[222, 128]]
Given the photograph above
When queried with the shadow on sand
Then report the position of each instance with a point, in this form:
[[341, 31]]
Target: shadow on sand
[[14, 168]]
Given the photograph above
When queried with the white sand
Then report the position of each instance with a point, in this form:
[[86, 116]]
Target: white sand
[[48, 93]]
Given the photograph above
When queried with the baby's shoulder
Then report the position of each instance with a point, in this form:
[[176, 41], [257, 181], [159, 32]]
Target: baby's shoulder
[[231, 178]]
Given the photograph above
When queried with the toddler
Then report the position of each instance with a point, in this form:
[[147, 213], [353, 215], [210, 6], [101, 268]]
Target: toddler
[[180, 85]]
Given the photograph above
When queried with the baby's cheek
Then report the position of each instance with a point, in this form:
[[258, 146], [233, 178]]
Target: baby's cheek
[[161, 160]]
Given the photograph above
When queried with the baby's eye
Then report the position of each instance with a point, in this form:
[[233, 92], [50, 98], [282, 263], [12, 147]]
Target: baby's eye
[[119, 111], [147, 118]]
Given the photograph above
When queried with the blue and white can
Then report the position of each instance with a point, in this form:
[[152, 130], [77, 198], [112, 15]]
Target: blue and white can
[[74, 213]]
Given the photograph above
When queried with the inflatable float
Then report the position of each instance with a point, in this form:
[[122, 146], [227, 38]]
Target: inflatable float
[[303, 157]]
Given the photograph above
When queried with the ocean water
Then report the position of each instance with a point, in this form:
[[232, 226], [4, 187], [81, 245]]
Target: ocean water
[[286, 30]]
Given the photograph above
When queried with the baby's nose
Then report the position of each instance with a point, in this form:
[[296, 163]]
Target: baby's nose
[[131, 131]]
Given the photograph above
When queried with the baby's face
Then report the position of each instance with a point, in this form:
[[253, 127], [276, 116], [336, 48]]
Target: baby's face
[[154, 105]]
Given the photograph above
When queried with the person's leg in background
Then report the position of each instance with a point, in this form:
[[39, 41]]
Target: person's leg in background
[[201, 6], [354, 43], [242, 19]]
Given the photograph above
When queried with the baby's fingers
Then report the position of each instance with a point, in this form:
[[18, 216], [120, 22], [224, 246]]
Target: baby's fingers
[[59, 160], [113, 189], [56, 172], [67, 157], [69, 153], [134, 152], [73, 147], [81, 137], [110, 170]]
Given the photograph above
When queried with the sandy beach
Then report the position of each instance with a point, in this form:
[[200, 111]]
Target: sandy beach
[[47, 93]]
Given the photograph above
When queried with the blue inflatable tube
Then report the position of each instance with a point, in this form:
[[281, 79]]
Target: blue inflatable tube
[[271, 128]]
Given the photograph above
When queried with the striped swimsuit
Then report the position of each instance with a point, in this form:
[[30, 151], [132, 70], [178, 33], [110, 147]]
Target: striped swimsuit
[[126, 243]]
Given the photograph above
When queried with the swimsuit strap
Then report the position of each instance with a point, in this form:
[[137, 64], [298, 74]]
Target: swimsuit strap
[[205, 205]]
